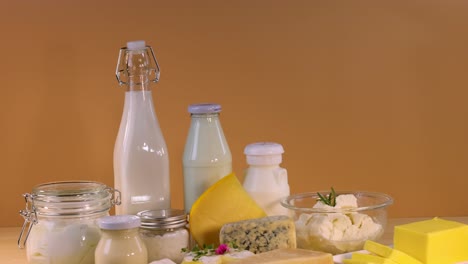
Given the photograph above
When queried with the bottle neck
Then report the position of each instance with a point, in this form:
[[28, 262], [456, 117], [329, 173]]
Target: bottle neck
[[139, 83], [208, 121], [205, 116]]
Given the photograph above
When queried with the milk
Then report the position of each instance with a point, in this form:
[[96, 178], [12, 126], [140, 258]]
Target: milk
[[207, 157], [141, 164]]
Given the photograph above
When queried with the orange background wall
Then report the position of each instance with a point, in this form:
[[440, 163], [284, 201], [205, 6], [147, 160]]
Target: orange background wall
[[363, 95]]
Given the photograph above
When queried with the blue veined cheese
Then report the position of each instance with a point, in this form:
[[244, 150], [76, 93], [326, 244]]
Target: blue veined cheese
[[260, 235]]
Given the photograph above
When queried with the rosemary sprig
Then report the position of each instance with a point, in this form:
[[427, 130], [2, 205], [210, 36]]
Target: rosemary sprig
[[329, 199]]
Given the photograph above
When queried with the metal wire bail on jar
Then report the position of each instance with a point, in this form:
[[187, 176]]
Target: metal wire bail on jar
[[67, 199]]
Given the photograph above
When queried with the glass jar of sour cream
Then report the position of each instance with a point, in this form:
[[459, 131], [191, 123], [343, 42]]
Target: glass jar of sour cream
[[120, 242], [61, 221]]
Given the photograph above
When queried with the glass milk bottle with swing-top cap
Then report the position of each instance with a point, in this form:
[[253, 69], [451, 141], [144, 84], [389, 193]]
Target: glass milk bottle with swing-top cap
[[141, 162], [265, 180], [120, 242], [206, 157]]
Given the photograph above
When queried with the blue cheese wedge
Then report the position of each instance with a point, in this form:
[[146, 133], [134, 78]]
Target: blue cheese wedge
[[260, 235]]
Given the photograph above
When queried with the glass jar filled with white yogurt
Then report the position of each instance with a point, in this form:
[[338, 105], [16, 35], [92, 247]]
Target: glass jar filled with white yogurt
[[61, 221], [164, 233], [120, 242]]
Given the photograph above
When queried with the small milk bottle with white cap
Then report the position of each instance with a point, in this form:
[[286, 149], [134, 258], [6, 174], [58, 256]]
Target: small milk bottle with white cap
[[265, 180], [207, 157]]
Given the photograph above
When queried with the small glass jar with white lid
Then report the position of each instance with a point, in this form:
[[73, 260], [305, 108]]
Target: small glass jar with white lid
[[120, 242], [61, 221], [164, 233]]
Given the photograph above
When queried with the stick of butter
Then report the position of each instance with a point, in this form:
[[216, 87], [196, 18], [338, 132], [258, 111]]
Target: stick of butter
[[366, 258], [289, 256], [390, 253], [435, 241]]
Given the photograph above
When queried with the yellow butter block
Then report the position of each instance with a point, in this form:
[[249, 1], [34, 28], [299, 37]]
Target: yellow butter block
[[354, 261], [395, 255], [371, 258], [435, 241]]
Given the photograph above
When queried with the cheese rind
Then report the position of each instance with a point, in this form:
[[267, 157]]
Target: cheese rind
[[435, 241], [289, 256], [390, 253], [260, 235]]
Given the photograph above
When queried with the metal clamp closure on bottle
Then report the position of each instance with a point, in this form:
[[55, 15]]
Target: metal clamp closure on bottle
[[116, 196], [121, 71], [30, 219]]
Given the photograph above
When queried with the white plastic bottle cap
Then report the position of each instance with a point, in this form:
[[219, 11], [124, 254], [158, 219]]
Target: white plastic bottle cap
[[136, 45], [204, 108], [119, 222], [264, 153]]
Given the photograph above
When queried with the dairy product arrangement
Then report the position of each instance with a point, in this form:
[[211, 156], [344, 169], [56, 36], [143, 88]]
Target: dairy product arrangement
[[228, 221]]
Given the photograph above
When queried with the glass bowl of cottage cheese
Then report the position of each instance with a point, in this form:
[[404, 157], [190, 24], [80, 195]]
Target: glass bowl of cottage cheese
[[337, 222]]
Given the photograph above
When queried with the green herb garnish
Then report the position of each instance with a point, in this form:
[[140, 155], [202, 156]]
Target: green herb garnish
[[329, 199], [209, 250], [200, 252]]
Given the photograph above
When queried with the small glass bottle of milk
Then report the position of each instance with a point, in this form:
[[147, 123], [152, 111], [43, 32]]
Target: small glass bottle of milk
[[120, 242], [265, 180], [141, 162], [207, 157]]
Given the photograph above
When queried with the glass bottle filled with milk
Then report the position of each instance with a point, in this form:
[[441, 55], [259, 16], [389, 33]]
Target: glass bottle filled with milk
[[206, 157], [141, 162]]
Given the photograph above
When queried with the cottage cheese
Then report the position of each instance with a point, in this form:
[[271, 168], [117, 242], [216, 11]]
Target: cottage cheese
[[336, 232], [166, 245]]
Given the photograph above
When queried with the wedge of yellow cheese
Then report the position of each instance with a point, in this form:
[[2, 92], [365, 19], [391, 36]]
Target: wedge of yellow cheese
[[395, 255], [224, 202], [288, 256], [435, 241]]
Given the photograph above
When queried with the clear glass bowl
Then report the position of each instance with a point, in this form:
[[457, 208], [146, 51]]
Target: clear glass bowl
[[338, 230]]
